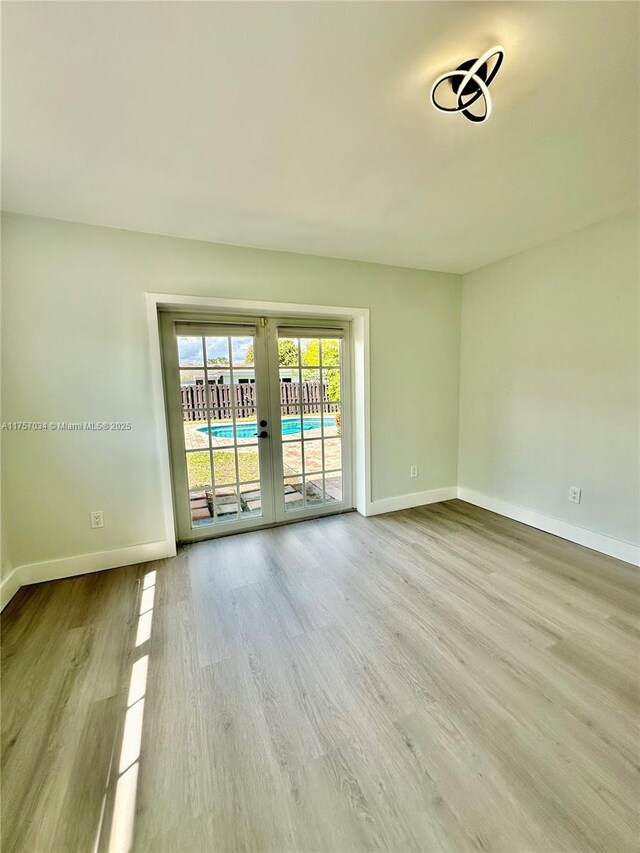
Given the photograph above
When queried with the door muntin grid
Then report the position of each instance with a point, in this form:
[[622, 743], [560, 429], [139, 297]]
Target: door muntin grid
[[310, 381], [219, 412]]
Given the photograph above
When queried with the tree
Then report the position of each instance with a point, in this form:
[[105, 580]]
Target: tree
[[330, 352], [333, 386], [330, 358], [287, 353]]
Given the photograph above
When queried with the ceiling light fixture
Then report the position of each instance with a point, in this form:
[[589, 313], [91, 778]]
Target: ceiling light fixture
[[470, 82]]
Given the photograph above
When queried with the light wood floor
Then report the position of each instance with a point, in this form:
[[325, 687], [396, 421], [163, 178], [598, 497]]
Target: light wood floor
[[440, 679]]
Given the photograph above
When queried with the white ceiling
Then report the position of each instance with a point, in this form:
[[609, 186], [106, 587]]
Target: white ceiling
[[307, 127]]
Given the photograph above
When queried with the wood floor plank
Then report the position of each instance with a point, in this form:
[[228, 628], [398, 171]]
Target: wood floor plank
[[438, 679]]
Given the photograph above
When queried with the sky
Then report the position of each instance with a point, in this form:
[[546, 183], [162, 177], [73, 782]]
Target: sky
[[190, 349]]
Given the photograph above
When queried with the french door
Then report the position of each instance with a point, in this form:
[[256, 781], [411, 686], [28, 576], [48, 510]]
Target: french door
[[259, 421]]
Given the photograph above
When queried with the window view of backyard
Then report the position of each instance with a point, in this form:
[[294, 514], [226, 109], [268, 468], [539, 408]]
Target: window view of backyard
[[219, 413]]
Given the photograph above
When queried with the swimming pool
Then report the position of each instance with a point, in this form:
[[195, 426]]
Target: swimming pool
[[247, 429]]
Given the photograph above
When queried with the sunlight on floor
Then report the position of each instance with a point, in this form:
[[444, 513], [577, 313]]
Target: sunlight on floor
[[121, 836]]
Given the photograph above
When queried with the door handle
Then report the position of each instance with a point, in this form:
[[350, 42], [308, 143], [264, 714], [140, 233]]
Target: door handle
[[263, 434]]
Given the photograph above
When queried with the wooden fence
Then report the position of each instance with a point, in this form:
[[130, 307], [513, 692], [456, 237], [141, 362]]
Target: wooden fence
[[194, 402]]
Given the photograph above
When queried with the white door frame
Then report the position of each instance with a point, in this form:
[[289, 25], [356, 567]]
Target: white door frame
[[359, 318]]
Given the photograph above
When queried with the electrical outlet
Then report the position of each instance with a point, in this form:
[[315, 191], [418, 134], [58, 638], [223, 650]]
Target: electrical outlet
[[575, 494], [414, 471], [97, 518]]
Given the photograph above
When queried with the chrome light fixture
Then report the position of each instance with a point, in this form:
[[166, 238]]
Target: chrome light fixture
[[470, 82]]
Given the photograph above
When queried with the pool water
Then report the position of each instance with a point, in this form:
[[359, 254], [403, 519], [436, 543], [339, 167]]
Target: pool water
[[247, 429]]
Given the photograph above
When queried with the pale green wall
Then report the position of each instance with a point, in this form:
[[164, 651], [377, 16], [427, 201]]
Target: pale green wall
[[549, 379], [548, 373], [75, 348]]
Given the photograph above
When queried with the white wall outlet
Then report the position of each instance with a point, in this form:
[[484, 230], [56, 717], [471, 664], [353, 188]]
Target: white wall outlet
[[414, 470], [97, 518], [575, 494]]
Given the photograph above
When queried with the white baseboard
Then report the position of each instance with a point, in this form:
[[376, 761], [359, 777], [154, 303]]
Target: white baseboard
[[82, 564], [413, 499], [626, 551], [9, 586]]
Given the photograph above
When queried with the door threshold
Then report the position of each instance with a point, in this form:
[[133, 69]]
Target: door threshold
[[269, 526]]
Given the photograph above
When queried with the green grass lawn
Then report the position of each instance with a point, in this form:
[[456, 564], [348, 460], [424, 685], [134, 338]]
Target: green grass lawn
[[198, 470], [224, 467]]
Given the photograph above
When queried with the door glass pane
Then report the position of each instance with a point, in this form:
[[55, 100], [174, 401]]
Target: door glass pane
[[309, 374], [193, 390], [244, 391], [312, 421], [291, 426], [292, 457], [332, 454], [311, 393], [220, 388], [196, 432], [331, 385], [224, 467], [310, 352], [331, 420], [217, 349], [293, 497], [333, 487], [313, 457], [288, 352], [313, 490], [330, 352], [248, 463], [250, 499], [226, 503], [242, 351], [190, 351], [199, 469], [290, 391]]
